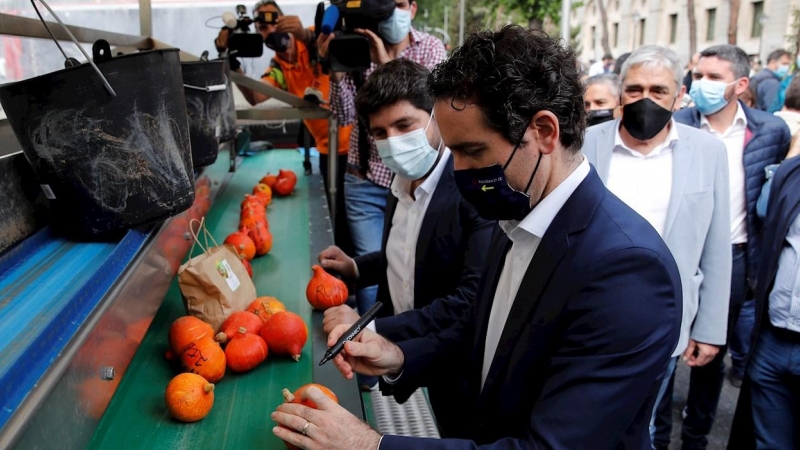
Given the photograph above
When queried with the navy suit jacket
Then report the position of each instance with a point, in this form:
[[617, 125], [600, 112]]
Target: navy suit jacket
[[782, 209], [450, 258], [767, 143], [591, 330]]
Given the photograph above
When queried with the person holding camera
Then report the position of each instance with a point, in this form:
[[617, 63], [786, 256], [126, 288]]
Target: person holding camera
[[295, 68], [366, 183]]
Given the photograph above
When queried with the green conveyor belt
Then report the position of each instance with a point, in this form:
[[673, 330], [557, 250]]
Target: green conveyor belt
[[137, 418]]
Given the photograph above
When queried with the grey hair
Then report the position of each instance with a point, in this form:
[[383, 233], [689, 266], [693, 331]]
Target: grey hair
[[740, 62], [609, 79], [654, 56]]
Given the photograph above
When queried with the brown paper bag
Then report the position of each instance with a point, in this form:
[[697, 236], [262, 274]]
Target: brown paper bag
[[215, 283]]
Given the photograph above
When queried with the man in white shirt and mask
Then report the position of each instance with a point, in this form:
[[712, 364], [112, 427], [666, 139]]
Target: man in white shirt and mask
[[434, 243], [579, 308]]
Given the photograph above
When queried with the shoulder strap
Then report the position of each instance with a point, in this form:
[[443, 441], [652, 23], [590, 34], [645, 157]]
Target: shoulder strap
[[363, 137]]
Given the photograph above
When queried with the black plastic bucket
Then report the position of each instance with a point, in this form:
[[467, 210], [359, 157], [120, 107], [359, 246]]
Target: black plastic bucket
[[205, 84], [229, 117], [107, 163]]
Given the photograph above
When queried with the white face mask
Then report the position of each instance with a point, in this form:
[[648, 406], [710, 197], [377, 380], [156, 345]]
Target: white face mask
[[410, 155]]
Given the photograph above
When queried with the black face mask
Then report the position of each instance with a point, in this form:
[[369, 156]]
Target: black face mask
[[645, 118], [278, 42], [489, 192], [598, 116]]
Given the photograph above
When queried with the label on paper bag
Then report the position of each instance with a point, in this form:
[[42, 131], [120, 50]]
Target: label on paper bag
[[48, 192], [225, 270]]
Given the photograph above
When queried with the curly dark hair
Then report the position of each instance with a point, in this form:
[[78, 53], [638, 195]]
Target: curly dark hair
[[393, 82], [512, 74]]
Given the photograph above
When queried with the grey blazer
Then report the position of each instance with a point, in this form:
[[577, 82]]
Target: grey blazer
[[698, 227]]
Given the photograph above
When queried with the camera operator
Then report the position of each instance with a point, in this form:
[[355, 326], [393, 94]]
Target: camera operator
[[367, 179], [294, 68]]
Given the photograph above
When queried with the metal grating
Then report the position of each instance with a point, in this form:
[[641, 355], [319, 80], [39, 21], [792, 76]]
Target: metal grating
[[412, 418]]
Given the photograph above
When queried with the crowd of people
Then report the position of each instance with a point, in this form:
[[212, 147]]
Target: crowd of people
[[551, 244]]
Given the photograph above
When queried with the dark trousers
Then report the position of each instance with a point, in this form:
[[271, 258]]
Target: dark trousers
[[705, 383], [341, 236], [774, 372]]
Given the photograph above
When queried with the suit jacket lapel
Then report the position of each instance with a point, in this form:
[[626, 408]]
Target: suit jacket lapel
[[500, 245], [391, 207], [574, 216], [551, 249], [681, 166], [445, 190], [604, 148]]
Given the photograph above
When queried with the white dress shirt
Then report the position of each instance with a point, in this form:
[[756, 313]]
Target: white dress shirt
[[733, 138], [644, 182], [401, 246], [525, 237]]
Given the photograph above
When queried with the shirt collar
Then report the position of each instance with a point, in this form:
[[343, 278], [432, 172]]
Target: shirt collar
[[538, 221], [738, 119], [401, 185], [672, 138]]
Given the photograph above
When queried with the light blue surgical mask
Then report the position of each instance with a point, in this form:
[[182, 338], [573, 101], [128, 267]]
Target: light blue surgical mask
[[709, 95], [782, 71], [410, 155], [396, 28]]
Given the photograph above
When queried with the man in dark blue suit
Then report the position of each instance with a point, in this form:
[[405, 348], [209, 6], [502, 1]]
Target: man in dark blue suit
[[580, 306], [434, 244]]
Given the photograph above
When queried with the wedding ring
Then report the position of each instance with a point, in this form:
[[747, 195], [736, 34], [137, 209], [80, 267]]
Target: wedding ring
[[305, 428]]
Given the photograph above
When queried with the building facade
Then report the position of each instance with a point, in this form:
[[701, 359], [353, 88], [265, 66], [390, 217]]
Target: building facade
[[762, 26]]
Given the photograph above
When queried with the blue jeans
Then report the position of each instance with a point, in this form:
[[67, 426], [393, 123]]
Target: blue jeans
[[365, 202], [673, 362], [774, 371], [739, 343]]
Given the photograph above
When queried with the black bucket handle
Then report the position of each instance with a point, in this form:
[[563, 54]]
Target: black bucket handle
[[101, 51], [64, 27]]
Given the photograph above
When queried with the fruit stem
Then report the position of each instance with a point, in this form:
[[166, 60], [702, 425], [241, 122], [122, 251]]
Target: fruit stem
[[242, 330], [296, 358], [208, 388], [288, 397], [221, 337]]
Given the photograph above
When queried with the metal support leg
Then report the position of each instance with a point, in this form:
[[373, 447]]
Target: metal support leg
[[333, 153], [307, 153]]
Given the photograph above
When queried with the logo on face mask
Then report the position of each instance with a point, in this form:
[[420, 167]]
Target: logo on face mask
[[709, 96], [396, 28], [645, 118], [487, 189], [410, 155]]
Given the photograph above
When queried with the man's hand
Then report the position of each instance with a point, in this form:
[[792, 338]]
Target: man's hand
[[338, 315], [335, 259], [292, 25], [368, 354], [222, 39], [323, 41], [330, 427], [377, 50], [698, 354]]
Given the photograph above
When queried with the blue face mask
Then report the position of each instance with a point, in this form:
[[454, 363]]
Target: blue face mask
[[489, 192], [410, 155], [396, 28], [709, 96], [782, 71]]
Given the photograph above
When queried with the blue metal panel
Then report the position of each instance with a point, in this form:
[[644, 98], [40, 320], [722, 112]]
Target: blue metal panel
[[48, 287]]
